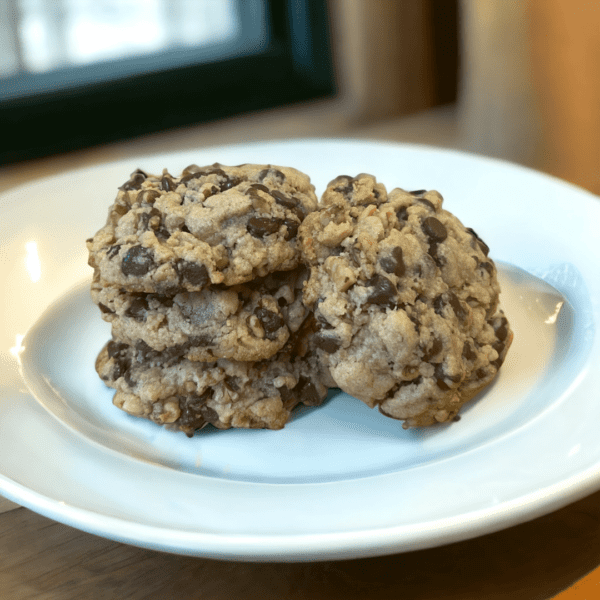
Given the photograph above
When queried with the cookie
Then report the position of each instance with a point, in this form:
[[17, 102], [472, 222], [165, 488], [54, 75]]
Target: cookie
[[245, 322], [210, 225], [405, 300], [189, 395]]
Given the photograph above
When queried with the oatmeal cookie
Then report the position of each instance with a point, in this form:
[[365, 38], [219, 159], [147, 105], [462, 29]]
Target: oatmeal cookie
[[210, 225], [188, 395], [405, 299], [245, 322]]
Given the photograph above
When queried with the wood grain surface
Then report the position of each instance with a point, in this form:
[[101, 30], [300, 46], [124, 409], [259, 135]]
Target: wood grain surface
[[42, 559]]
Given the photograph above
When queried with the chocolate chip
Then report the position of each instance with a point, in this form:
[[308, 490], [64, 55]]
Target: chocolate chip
[[142, 347], [402, 213], [488, 266], [468, 352], [481, 374], [450, 298], [138, 308], [113, 251], [308, 392], [199, 341], [270, 321], [288, 397], [418, 192], [434, 229], [327, 343], [229, 183], [190, 169], [187, 178], [211, 191], [260, 187], [135, 182], [195, 414], [384, 291], [436, 348], [167, 184], [502, 330], [194, 273], [147, 196], [137, 261], [103, 308], [145, 218], [273, 173], [292, 228], [482, 245], [442, 377], [427, 203], [346, 186], [394, 263], [115, 348], [261, 226]]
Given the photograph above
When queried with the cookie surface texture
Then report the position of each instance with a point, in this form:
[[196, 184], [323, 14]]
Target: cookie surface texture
[[210, 225], [245, 322], [405, 300], [188, 395]]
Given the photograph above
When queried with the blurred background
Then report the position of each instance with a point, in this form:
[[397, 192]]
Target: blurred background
[[86, 81]]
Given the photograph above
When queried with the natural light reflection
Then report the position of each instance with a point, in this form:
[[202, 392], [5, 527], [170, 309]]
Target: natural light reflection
[[552, 318], [32, 261], [18, 347]]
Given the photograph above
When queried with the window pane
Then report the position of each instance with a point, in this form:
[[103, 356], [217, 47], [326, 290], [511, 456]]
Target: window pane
[[73, 42]]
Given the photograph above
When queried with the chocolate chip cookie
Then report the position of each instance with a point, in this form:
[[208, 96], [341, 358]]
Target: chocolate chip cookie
[[245, 322], [209, 225], [405, 300], [189, 395]]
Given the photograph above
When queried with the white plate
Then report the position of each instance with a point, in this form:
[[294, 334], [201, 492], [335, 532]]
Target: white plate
[[339, 481]]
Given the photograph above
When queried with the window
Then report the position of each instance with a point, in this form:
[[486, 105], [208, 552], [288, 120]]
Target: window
[[75, 73]]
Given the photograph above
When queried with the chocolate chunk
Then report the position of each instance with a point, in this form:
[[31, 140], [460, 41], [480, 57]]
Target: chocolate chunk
[[261, 226], [113, 251], [167, 184], [211, 191], [144, 222], [384, 291], [308, 392], [142, 347], [442, 377], [402, 213], [292, 228], [270, 321], [434, 229], [260, 187], [502, 330], [138, 261], [138, 308], [288, 397], [346, 184], [103, 308], [191, 169], [427, 203], [327, 343], [147, 196], [229, 183], [199, 341], [273, 173], [436, 348], [394, 263], [484, 247], [135, 182], [195, 414], [115, 348], [450, 298], [468, 352], [488, 266], [129, 380], [193, 273]]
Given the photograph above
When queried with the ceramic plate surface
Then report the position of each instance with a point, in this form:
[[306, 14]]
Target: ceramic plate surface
[[339, 481]]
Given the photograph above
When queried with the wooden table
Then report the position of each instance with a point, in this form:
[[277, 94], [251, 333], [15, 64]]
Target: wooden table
[[42, 559]]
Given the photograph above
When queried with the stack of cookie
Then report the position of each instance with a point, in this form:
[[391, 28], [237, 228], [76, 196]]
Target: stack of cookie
[[200, 277], [234, 295]]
